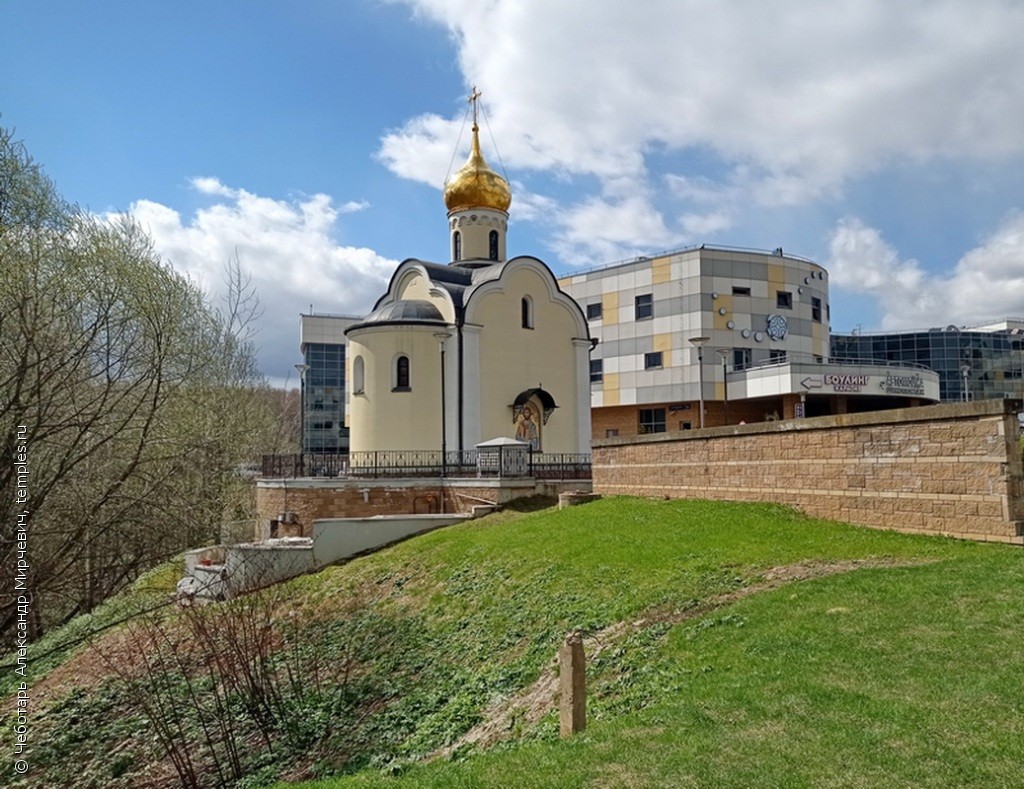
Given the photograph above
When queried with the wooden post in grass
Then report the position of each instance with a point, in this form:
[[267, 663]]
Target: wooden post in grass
[[572, 680]]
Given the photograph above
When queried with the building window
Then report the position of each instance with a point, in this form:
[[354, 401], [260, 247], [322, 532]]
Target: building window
[[493, 242], [741, 358], [652, 420], [611, 432], [816, 310], [644, 306], [740, 291], [596, 370], [358, 375], [594, 312], [456, 245], [784, 299], [526, 307], [652, 361], [685, 426], [775, 355], [401, 374]]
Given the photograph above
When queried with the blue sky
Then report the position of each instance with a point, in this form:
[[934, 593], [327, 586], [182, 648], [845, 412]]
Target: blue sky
[[880, 139]]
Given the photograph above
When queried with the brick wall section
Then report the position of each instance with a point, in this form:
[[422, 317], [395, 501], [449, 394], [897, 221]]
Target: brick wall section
[[626, 418], [337, 501], [315, 498], [945, 469]]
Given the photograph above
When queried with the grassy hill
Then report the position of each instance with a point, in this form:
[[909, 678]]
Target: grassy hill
[[728, 645]]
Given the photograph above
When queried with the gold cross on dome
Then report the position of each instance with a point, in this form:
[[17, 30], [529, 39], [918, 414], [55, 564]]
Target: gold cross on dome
[[473, 98]]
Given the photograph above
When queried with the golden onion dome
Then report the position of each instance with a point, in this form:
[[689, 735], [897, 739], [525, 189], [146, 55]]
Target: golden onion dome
[[476, 185]]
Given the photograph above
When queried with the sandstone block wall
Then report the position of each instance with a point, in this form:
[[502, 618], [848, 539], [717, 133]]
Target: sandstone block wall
[[311, 499], [947, 469], [318, 499]]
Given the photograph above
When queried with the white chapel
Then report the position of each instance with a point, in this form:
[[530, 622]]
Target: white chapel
[[483, 347]]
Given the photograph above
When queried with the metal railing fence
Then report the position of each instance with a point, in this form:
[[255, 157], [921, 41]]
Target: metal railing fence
[[416, 463]]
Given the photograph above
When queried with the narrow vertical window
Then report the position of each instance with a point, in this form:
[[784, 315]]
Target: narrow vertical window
[[494, 244], [358, 375], [643, 306], [402, 373], [456, 245], [527, 310]]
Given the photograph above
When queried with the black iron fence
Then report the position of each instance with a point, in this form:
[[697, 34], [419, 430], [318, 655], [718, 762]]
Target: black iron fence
[[560, 465], [417, 463]]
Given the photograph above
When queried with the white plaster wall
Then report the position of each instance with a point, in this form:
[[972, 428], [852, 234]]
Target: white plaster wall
[[383, 419], [416, 286], [255, 565], [340, 538], [514, 359], [476, 225]]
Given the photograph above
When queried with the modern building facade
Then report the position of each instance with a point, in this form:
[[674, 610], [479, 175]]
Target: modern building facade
[[322, 380], [973, 363], [741, 334]]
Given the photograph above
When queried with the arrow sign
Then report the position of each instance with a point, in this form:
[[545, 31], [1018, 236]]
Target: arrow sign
[[811, 383]]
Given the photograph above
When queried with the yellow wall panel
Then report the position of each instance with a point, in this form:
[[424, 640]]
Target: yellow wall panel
[[723, 302], [661, 271], [610, 308], [611, 389]]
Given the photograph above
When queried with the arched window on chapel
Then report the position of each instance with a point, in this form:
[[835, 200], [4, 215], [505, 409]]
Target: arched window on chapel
[[402, 374], [358, 375], [527, 311]]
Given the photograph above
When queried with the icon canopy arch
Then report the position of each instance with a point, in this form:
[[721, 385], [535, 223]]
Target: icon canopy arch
[[547, 402]]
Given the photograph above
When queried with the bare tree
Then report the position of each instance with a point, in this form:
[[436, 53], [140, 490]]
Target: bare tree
[[219, 683], [135, 399]]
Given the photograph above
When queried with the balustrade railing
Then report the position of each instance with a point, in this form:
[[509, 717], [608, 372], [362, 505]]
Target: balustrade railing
[[417, 463]]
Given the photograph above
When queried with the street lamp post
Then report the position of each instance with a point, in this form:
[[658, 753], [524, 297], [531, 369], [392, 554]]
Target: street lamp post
[[966, 371], [724, 353], [442, 337], [303, 369], [698, 343]]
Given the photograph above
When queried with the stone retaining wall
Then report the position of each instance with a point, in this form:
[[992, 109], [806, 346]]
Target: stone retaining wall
[[943, 469], [310, 499]]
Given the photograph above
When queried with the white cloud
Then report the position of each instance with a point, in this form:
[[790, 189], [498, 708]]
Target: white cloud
[[704, 225], [211, 186], [599, 230], [422, 149], [791, 99], [986, 284], [697, 189], [288, 246]]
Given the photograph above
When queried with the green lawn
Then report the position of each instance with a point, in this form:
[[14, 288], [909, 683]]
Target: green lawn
[[740, 645], [902, 675]]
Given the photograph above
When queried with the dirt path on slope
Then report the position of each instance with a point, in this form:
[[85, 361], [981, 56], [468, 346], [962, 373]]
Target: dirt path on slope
[[532, 703]]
